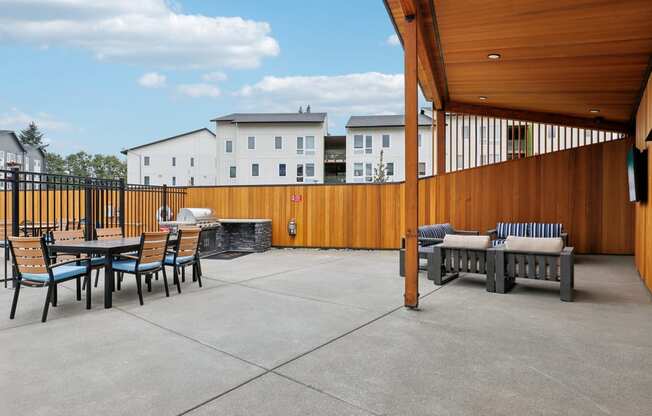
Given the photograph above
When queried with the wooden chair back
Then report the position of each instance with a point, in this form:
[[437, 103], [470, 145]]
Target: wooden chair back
[[152, 247], [113, 233], [70, 235], [187, 242], [28, 254], [5, 230]]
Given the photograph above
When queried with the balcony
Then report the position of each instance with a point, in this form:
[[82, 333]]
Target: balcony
[[335, 156]]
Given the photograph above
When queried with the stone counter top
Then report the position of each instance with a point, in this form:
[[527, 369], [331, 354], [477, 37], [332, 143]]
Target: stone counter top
[[243, 221]]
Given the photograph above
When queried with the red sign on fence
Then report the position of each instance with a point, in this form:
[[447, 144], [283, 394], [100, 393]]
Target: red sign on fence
[[296, 198]]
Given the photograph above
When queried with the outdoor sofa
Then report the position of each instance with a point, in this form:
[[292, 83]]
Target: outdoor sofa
[[527, 229], [428, 237], [462, 254]]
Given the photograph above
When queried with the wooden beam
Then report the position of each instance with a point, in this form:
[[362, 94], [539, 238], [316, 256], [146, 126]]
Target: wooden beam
[[409, 8], [538, 117], [411, 195], [441, 142]]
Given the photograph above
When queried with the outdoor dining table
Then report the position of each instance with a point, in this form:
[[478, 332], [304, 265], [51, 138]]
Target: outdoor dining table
[[106, 248]]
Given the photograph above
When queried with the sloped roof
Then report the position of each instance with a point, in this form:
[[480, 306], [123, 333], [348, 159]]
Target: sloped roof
[[124, 152], [384, 121], [273, 118]]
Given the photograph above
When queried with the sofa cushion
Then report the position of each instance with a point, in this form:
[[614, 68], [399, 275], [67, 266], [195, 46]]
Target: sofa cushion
[[498, 242], [534, 245], [477, 242], [432, 231], [505, 229], [59, 273], [543, 230]]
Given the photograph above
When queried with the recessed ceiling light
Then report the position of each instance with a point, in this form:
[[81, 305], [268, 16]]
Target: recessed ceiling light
[[494, 56], [594, 110], [482, 98]]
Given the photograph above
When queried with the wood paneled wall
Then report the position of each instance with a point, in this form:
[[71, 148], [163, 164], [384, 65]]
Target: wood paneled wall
[[583, 188], [643, 234]]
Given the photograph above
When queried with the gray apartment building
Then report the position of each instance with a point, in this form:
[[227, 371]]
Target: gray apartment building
[[13, 152]]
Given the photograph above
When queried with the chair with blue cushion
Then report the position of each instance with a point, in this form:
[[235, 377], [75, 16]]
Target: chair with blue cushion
[[109, 233], [77, 235], [33, 268], [150, 259], [185, 254]]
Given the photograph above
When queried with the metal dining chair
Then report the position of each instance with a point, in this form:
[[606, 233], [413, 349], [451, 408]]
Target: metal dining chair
[[97, 263], [33, 268], [150, 259], [185, 253]]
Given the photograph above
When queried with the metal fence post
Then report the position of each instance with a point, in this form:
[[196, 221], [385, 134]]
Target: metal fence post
[[122, 205], [15, 215], [88, 207], [164, 211]]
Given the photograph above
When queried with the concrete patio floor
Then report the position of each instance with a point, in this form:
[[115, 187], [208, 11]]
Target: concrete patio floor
[[312, 332]]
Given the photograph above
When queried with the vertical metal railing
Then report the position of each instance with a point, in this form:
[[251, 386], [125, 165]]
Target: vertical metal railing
[[473, 141]]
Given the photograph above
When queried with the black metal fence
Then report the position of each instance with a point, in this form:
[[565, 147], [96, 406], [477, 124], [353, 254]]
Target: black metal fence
[[35, 204]]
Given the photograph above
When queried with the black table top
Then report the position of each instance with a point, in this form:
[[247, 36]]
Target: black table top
[[119, 245]]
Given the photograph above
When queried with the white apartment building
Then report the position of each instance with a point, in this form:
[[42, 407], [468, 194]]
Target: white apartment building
[[368, 136], [271, 148], [187, 159]]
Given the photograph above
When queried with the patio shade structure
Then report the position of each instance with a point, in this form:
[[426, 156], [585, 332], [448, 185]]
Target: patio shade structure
[[582, 64]]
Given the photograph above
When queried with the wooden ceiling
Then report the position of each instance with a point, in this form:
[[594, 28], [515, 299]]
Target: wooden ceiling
[[558, 56]]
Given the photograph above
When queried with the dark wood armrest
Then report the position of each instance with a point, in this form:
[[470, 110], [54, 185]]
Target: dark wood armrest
[[567, 251], [492, 233], [564, 236], [63, 263], [429, 240], [127, 257]]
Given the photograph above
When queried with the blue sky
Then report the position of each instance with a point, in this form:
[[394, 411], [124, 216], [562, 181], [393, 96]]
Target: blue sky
[[117, 73]]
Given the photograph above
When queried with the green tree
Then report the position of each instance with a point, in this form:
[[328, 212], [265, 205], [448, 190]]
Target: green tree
[[380, 171], [31, 135], [55, 164], [79, 164], [108, 167]]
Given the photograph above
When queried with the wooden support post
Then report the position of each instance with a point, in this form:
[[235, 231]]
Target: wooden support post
[[441, 142], [411, 195]]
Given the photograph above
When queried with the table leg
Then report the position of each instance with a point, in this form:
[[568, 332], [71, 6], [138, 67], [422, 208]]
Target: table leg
[[108, 281]]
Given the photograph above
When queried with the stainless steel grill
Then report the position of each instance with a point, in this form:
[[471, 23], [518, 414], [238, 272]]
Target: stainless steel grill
[[198, 217]]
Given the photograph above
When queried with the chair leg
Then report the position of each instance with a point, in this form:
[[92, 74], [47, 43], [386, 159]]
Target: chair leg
[[87, 279], [165, 282], [78, 287], [176, 279], [119, 281], [47, 303], [148, 280], [97, 277], [156, 276], [140, 289], [15, 301], [197, 271], [54, 295], [183, 274]]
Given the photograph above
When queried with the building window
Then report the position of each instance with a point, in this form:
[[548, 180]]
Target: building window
[[357, 143], [385, 140], [251, 143], [368, 144], [389, 169], [146, 161], [299, 173], [174, 181], [146, 180], [229, 146], [232, 172], [310, 145], [174, 161], [255, 169], [278, 142], [422, 168], [282, 169], [367, 172], [192, 181], [37, 165], [192, 161], [310, 170], [299, 145], [357, 169]]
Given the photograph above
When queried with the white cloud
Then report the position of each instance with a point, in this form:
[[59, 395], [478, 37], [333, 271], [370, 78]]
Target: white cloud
[[16, 120], [365, 93], [216, 76], [199, 90], [393, 40], [152, 80], [144, 31]]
